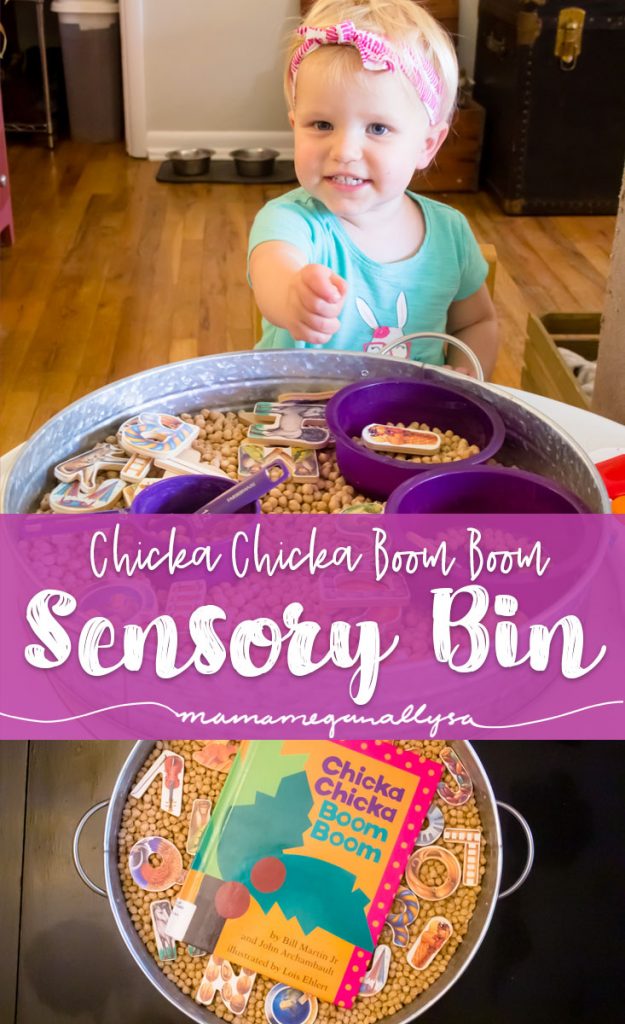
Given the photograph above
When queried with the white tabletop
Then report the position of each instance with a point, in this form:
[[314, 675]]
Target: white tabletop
[[595, 434]]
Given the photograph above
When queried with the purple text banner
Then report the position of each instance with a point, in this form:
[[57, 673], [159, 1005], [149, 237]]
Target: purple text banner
[[117, 626]]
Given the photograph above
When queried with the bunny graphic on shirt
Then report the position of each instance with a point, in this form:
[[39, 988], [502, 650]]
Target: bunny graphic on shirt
[[383, 336]]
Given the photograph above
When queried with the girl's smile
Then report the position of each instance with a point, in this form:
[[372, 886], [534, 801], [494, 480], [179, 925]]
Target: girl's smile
[[347, 183]]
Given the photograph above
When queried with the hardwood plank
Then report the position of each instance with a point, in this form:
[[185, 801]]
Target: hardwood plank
[[21, 316], [183, 348], [16, 415], [591, 245], [13, 776]]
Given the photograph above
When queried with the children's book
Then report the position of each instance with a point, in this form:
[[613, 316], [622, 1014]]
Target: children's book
[[299, 865]]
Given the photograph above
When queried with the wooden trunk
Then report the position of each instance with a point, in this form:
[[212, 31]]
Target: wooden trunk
[[555, 127], [544, 371]]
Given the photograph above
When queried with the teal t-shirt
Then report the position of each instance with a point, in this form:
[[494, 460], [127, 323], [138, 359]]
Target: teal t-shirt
[[384, 300]]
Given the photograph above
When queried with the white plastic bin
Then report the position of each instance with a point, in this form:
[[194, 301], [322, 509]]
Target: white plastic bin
[[89, 31]]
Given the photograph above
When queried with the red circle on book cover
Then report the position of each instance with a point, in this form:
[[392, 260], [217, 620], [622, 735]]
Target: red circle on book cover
[[232, 899], [268, 874]]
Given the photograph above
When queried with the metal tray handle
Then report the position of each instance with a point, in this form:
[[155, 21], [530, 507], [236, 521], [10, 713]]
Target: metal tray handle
[[530, 850], [469, 353], [75, 851], [502, 895]]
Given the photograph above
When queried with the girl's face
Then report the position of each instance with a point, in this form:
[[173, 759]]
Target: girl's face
[[358, 139]]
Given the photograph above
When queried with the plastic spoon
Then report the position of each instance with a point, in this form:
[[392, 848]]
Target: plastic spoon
[[243, 493]]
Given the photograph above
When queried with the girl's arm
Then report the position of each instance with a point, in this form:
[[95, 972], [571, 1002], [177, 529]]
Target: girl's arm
[[304, 298], [474, 321]]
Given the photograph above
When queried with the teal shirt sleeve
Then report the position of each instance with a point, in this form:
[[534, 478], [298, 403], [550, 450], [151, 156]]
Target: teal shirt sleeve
[[473, 266], [281, 221], [286, 219]]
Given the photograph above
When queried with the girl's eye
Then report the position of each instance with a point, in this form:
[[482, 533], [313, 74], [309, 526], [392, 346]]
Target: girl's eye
[[322, 126], [378, 129]]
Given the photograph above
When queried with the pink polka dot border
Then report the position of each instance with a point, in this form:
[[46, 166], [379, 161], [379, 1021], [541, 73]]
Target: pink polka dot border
[[425, 783]]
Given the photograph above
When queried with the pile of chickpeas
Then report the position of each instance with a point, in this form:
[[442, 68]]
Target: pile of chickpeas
[[143, 817], [221, 433]]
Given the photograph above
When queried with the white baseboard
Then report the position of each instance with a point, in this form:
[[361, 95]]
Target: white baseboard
[[159, 143]]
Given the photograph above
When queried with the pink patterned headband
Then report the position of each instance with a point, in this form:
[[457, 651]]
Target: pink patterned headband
[[377, 54]]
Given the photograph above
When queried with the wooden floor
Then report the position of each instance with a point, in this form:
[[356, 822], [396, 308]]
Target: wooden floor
[[112, 273]]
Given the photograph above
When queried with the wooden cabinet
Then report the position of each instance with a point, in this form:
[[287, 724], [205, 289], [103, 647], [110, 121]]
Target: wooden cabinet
[[456, 166]]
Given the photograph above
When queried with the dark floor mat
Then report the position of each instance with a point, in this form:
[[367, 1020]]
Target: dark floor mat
[[224, 172]]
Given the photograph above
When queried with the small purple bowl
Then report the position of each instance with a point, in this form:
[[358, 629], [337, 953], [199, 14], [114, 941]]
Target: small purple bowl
[[483, 489], [404, 401], [181, 494]]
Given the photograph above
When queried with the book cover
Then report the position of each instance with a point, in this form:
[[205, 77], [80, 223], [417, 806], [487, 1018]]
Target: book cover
[[299, 865]]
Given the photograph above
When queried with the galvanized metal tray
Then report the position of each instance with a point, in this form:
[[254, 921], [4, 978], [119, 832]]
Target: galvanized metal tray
[[478, 926], [237, 380]]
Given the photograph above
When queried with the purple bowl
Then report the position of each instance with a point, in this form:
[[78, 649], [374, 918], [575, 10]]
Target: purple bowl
[[483, 489], [404, 401], [180, 494]]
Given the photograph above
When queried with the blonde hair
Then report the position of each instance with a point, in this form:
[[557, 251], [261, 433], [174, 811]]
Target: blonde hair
[[403, 22]]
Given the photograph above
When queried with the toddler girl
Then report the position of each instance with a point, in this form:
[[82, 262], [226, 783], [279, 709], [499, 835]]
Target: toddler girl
[[351, 259]]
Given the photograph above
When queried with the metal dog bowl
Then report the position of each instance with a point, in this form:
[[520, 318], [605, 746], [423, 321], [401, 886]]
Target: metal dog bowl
[[237, 380], [191, 162], [254, 163], [478, 926]]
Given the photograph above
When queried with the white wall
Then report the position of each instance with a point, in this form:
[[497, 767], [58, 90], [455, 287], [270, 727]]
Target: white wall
[[467, 32], [212, 71], [219, 66], [209, 72]]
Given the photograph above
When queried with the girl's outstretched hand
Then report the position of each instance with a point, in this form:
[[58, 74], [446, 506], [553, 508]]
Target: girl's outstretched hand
[[314, 301]]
